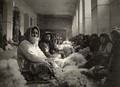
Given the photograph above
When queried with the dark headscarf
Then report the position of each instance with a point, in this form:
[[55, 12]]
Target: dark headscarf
[[94, 35], [94, 42], [43, 39], [106, 36], [115, 53], [115, 34]]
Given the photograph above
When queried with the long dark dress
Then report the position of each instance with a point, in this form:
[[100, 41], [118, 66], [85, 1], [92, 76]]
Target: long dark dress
[[113, 79]]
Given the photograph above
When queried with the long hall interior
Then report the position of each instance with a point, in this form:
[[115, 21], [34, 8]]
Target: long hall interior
[[59, 43]]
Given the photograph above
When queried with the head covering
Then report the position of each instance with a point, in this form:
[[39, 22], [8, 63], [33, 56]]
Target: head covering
[[27, 34], [43, 39], [106, 36], [94, 35], [115, 34]]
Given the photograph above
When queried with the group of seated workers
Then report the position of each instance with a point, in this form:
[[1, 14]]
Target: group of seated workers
[[97, 54], [99, 58], [103, 58]]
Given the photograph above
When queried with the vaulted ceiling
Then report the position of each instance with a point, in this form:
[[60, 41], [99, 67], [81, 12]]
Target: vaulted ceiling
[[53, 7]]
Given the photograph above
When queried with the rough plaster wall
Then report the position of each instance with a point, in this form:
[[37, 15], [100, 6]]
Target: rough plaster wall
[[24, 8], [115, 13], [87, 17], [100, 16], [103, 19], [94, 21], [75, 24], [57, 22]]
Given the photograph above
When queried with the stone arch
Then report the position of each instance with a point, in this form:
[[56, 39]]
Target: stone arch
[[16, 24], [26, 21], [3, 17]]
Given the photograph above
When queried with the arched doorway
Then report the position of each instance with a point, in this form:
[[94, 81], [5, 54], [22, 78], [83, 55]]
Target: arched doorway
[[26, 22], [16, 24]]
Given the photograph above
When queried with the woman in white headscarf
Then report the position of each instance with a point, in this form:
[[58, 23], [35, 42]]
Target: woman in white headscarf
[[31, 58]]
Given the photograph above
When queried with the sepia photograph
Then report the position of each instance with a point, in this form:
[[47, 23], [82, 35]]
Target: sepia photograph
[[59, 43]]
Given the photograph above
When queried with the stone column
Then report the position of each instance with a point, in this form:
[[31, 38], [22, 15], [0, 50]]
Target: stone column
[[77, 26], [75, 30], [114, 13], [94, 16], [80, 13], [22, 23], [100, 16], [87, 16], [10, 5]]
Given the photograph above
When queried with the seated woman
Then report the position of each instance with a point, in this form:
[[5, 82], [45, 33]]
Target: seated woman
[[47, 46], [106, 45], [104, 50], [113, 79], [94, 43], [99, 63], [101, 57], [33, 63]]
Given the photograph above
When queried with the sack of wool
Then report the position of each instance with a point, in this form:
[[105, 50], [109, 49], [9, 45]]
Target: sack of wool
[[8, 54], [44, 85], [64, 62], [7, 83], [67, 49], [84, 51], [19, 84], [68, 62], [69, 68], [75, 59], [54, 83], [59, 62], [14, 70], [8, 47], [4, 75], [3, 64], [13, 65], [67, 42], [59, 74], [5, 78], [73, 76], [1, 50]]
